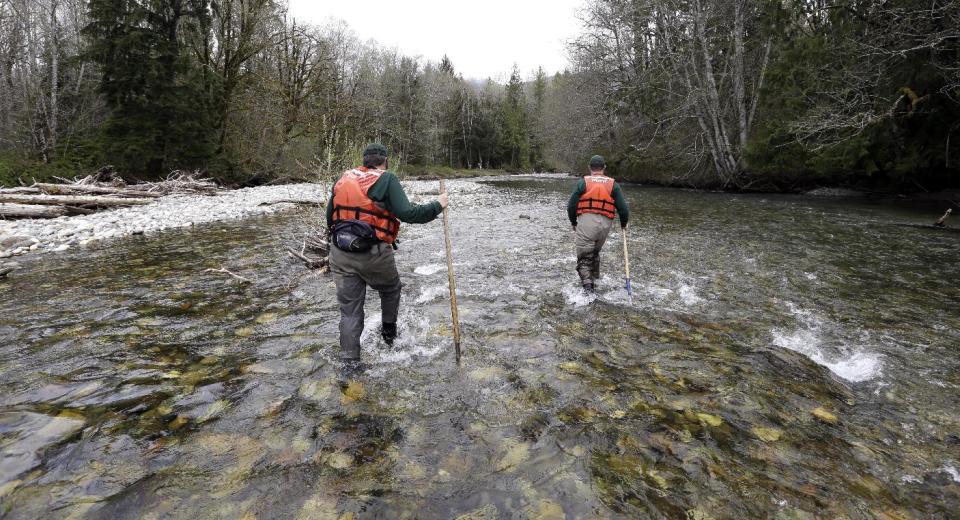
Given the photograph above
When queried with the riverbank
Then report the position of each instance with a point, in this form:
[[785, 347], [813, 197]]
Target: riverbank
[[19, 237], [427, 173]]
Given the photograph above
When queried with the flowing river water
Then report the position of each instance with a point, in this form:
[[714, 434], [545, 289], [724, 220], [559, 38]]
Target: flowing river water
[[781, 357]]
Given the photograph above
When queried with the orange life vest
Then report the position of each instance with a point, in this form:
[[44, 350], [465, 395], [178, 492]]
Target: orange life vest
[[598, 198], [351, 202]]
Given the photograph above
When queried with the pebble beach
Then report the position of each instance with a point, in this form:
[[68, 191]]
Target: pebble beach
[[32, 236]]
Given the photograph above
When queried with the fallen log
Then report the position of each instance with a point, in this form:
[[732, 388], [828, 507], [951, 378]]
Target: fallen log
[[31, 211], [311, 263], [72, 189], [20, 191], [72, 200]]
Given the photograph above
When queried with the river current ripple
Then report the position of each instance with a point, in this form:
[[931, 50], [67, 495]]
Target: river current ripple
[[781, 356]]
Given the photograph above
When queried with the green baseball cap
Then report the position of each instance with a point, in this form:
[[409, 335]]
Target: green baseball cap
[[597, 162], [375, 149]]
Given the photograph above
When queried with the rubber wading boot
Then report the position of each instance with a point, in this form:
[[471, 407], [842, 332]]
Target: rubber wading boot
[[588, 286], [595, 268], [388, 331]]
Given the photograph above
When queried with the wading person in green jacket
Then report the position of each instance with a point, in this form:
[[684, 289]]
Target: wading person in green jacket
[[364, 215], [593, 205]]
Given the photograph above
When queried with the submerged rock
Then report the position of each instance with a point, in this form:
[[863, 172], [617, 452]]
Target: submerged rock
[[26, 436], [340, 460], [711, 420], [319, 507], [487, 512], [352, 393], [316, 390], [514, 454], [767, 434], [825, 416], [267, 317], [547, 510]]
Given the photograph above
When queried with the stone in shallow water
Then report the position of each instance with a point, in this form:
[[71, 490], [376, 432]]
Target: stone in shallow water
[[767, 434], [267, 317], [487, 374], [352, 393], [56, 393], [340, 460], [655, 478], [9, 487], [26, 435], [547, 510], [487, 512], [711, 420], [514, 454], [825, 416], [179, 422], [319, 507], [316, 390], [698, 514], [214, 410]]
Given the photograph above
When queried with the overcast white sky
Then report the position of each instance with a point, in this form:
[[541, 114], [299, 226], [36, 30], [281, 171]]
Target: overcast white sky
[[483, 38]]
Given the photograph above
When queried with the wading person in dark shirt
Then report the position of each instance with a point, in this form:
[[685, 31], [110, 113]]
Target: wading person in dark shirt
[[594, 203], [364, 215]]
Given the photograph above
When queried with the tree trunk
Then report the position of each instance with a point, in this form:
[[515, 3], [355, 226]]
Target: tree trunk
[[75, 200], [73, 189], [54, 113], [739, 76]]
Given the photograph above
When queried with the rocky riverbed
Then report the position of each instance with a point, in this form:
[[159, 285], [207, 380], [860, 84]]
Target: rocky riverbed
[[20, 237]]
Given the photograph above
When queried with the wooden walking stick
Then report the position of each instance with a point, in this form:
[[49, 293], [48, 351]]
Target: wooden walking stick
[[626, 264], [454, 311]]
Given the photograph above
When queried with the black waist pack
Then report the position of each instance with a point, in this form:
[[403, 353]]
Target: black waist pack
[[354, 236]]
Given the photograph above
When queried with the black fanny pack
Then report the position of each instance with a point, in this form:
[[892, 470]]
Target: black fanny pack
[[354, 236]]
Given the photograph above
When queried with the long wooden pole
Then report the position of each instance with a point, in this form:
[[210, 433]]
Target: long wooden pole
[[626, 263], [454, 310]]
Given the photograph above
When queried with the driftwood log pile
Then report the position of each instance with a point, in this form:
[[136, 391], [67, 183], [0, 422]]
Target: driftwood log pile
[[102, 190]]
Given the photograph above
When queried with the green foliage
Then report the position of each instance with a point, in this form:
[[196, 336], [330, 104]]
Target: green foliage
[[160, 117], [515, 138], [905, 148], [16, 170]]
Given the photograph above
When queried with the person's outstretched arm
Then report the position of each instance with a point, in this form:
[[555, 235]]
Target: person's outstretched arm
[[623, 209], [389, 192]]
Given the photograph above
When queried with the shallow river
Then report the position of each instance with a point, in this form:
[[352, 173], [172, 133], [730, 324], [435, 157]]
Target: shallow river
[[781, 357]]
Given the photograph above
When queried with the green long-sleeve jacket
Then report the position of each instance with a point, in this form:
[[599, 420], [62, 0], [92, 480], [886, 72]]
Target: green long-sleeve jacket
[[618, 199], [389, 192]]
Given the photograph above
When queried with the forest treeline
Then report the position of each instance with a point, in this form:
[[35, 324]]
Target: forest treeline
[[734, 94], [241, 90], [777, 94]]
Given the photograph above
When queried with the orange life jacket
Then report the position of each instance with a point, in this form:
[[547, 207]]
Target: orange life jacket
[[351, 202], [599, 196]]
